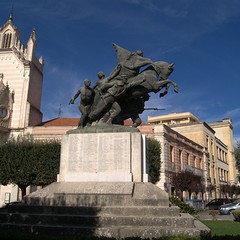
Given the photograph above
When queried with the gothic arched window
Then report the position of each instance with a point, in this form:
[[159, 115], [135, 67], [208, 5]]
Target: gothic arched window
[[7, 38]]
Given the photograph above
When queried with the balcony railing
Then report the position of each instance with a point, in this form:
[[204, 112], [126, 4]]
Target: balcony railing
[[222, 179], [196, 171], [174, 167]]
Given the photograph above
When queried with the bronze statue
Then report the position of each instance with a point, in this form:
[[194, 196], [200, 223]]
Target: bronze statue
[[114, 90], [87, 96], [123, 93]]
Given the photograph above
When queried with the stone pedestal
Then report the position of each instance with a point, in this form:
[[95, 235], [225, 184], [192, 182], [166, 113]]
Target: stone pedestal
[[102, 191], [103, 157]]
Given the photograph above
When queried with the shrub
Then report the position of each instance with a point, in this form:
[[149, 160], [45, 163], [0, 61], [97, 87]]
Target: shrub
[[236, 214], [26, 162], [185, 208], [154, 159]]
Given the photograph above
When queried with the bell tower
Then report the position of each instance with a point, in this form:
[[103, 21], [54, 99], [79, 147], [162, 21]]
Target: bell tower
[[22, 74]]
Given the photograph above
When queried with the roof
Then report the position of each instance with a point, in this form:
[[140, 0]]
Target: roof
[[173, 116], [9, 22], [59, 122]]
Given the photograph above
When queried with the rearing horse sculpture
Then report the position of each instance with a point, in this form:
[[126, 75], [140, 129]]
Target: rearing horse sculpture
[[154, 80], [123, 93]]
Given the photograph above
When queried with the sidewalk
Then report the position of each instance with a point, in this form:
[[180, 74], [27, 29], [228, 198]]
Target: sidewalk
[[204, 215]]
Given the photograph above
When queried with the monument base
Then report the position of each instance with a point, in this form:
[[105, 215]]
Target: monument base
[[101, 192], [101, 209]]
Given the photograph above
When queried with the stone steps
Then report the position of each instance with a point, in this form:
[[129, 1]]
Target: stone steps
[[99, 220], [116, 210], [117, 222], [113, 210], [118, 232]]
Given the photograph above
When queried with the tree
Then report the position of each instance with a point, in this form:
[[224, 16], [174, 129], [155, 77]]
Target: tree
[[197, 185], [237, 155], [186, 181], [224, 189], [154, 159], [233, 190], [25, 162], [211, 188]]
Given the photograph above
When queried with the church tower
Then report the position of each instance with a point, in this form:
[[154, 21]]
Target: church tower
[[22, 74]]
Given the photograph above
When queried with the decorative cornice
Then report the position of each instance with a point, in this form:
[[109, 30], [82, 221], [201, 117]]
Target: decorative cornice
[[20, 56]]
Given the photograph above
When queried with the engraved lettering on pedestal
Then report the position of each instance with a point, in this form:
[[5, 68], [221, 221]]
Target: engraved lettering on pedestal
[[75, 159], [122, 153], [114, 154], [99, 153], [105, 153], [89, 156]]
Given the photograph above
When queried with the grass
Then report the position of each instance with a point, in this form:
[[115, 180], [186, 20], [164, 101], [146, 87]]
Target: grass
[[223, 228]]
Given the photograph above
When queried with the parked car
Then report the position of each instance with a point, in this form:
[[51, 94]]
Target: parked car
[[12, 203], [227, 208], [217, 202], [195, 203]]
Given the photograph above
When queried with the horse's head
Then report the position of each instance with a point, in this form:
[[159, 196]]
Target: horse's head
[[164, 68]]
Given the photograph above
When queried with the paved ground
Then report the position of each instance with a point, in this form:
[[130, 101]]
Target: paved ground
[[204, 215]]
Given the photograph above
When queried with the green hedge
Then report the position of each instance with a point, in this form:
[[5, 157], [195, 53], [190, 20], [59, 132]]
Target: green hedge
[[185, 208]]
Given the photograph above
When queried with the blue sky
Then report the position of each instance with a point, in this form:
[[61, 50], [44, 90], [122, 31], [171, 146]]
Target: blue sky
[[202, 38]]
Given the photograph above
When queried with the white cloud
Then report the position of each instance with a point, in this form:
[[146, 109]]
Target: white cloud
[[233, 113]]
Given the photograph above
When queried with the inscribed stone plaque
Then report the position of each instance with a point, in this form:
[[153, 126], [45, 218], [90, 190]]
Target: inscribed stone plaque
[[99, 152], [101, 157]]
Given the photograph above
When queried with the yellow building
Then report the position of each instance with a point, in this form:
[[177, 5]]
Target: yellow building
[[217, 141], [224, 131], [178, 153]]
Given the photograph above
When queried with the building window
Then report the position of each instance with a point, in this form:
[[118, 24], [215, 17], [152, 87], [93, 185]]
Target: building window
[[200, 163], [172, 159], [207, 143], [171, 154], [209, 171], [7, 38], [195, 162], [188, 159], [180, 159], [211, 147]]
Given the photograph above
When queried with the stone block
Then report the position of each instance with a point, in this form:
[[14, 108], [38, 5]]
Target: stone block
[[103, 157]]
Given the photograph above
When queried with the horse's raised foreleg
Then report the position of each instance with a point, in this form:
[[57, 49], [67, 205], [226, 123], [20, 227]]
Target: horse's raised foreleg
[[165, 92], [176, 88], [166, 83]]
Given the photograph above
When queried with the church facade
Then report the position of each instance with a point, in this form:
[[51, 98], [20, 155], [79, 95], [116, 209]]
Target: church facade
[[21, 76]]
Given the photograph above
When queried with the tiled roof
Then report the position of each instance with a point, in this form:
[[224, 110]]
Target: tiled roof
[[59, 122]]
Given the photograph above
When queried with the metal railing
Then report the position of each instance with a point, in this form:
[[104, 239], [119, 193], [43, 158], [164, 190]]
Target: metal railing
[[174, 167]]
